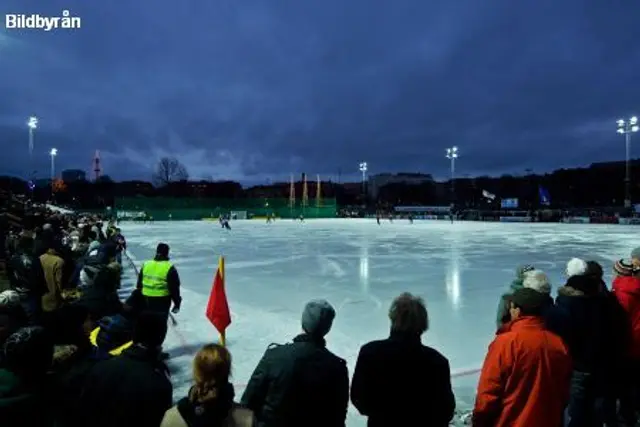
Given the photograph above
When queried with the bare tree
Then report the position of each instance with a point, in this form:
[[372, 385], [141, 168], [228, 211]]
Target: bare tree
[[168, 170]]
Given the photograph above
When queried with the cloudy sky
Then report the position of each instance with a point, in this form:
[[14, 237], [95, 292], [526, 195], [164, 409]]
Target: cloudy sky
[[254, 90]]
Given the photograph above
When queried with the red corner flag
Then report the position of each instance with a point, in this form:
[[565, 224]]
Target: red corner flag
[[218, 308]]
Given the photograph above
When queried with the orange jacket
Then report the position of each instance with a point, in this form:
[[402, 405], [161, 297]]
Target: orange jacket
[[525, 378]]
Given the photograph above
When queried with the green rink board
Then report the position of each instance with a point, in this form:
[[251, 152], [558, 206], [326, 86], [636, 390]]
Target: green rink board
[[177, 209]]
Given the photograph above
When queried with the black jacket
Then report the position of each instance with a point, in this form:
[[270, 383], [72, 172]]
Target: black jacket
[[586, 324], [299, 384], [132, 390], [400, 382], [27, 275]]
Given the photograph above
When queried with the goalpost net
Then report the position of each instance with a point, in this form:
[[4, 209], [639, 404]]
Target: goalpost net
[[238, 214]]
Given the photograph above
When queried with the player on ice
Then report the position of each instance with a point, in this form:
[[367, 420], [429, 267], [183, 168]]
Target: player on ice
[[269, 220], [410, 219], [378, 218], [301, 218]]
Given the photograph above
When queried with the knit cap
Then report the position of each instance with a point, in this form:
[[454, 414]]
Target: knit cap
[[523, 269], [623, 268], [587, 284], [635, 253], [538, 281], [576, 267], [317, 318]]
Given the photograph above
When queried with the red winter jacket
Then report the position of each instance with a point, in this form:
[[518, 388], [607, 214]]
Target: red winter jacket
[[627, 291]]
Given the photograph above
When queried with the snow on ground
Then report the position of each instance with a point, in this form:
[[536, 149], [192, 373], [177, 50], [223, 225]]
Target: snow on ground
[[272, 270]]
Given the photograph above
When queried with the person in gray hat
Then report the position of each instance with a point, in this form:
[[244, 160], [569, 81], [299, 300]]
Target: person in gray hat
[[301, 383], [635, 257]]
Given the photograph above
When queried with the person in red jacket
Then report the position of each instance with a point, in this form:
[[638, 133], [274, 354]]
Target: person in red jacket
[[526, 374], [626, 288]]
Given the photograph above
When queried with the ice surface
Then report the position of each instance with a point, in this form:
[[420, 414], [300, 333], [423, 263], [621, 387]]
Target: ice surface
[[272, 270]]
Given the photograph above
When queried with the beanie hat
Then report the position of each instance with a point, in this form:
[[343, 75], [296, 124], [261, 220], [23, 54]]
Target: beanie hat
[[576, 267], [623, 268], [162, 249], [529, 299], [594, 269], [635, 253], [150, 329], [538, 281], [28, 351], [523, 269], [9, 298], [317, 318]]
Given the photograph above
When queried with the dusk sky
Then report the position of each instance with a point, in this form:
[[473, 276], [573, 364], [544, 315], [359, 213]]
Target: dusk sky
[[255, 90]]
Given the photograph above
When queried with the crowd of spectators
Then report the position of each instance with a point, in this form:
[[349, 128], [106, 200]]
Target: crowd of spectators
[[74, 354]]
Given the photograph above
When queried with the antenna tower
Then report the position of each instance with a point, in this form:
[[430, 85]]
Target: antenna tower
[[97, 168]]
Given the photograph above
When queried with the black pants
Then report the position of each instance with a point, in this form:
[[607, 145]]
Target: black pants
[[160, 305]]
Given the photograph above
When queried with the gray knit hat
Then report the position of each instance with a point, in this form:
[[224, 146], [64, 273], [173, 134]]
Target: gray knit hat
[[635, 253], [317, 318]]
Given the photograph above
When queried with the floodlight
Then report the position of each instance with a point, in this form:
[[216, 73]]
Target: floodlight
[[620, 122], [620, 130], [634, 128], [33, 122], [53, 152], [633, 120]]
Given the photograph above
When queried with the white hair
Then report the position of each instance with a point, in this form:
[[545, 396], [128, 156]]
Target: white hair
[[576, 267], [538, 281]]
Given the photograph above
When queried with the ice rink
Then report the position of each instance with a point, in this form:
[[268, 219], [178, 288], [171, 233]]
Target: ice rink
[[272, 270]]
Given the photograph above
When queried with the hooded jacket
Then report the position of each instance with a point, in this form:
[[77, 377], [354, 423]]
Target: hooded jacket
[[525, 378], [627, 291], [53, 268]]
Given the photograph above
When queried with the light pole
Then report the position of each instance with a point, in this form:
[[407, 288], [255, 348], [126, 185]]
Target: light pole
[[32, 124], [363, 170], [452, 154], [626, 128], [53, 153]]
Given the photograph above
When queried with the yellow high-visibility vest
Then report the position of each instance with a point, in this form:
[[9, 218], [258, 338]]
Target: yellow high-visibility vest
[[154, 278]]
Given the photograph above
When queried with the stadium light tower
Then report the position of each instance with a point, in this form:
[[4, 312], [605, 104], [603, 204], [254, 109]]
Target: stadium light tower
[[53, 153], [452, 155], [626, 128], [32, 124], [363, 169]]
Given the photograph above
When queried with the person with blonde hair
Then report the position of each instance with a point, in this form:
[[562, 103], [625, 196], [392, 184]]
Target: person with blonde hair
[[210, 400]]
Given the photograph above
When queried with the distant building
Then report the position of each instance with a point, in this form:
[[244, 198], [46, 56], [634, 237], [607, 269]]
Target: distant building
[[375, 182], [74, 175]]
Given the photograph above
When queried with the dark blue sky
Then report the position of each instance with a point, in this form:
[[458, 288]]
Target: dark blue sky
[[254, 90]]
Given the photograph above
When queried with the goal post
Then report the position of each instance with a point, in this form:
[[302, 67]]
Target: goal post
[[238, 215]]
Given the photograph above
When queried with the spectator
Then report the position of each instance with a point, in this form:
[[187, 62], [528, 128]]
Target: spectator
[[635, 257], [53, 267], [401, 362], [28, 278], [526, 374], [301, 383], [626, 288], [210, 400], [12, 316], [617, 339], [23, 400], [580, 318], [133, 389], [503, 306], [539, 282]]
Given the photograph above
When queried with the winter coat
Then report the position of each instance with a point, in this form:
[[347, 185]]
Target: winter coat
[[27, 275], [502, 315], [53, 269], [525, 378], [131, 390], [584, 323], [221, 412], [299, 384], [627, 291], [21, 405], [386, 368]]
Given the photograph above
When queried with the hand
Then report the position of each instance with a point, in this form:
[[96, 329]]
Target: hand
[[175, 309]]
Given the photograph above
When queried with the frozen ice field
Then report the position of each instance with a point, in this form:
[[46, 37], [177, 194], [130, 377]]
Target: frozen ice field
[[272, 270]]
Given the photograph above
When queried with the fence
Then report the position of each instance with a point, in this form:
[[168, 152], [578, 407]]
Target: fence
[[165, 208]]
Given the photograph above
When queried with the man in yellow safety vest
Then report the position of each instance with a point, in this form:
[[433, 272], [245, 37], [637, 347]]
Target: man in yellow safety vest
[[159, 283]]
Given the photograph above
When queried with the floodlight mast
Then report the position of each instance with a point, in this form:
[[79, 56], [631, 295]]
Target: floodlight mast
[[363, 169], [452, 155], [53, 153], [32, 124], [626, 128]]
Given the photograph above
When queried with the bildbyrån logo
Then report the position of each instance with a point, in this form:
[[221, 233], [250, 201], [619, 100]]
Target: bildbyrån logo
[[16, 21]]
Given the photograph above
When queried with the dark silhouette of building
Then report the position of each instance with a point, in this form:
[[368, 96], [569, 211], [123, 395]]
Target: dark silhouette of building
[[74, 175]]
